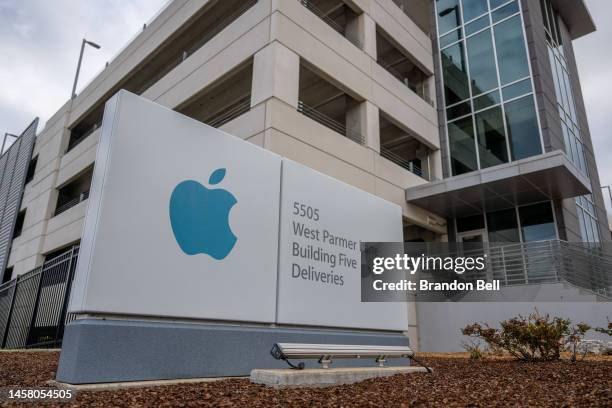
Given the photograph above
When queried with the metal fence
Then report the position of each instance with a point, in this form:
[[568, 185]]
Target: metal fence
[[585, 265], [71, 203], [33, 306], [400, 161], [230, 112], [330, 123], [331, 22]]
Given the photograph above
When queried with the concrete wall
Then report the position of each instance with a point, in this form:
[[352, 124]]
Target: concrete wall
[[440, 324]]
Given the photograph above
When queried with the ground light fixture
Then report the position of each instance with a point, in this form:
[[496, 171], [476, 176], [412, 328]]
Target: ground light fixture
[[326, 352]]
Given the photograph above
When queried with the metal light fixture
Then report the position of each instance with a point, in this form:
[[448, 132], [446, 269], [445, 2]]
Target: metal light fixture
[[76, 77]]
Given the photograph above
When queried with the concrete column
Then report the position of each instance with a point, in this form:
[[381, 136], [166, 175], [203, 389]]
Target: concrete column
[[431, 89], [435, 165], [423, 154], [362, 118], [276, 73], [363, 29]]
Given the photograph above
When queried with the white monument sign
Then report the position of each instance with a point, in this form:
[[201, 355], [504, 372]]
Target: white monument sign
[[183, 221]]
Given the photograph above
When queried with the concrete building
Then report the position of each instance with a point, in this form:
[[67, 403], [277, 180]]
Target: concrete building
[[468, 114]]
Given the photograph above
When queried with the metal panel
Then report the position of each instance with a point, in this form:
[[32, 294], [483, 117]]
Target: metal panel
[[13, 165], [549, 176]]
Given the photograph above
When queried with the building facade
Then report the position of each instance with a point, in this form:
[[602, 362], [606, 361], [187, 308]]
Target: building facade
[[466, 113]]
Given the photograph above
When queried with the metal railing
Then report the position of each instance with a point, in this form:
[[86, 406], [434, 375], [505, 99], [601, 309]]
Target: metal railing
[[421, 88], [584, 265], [73, 142], [221, 24], [337, 27], [218, 26], [71, 203], [330, 123], [230, 112], [33, 306], [400, 161]]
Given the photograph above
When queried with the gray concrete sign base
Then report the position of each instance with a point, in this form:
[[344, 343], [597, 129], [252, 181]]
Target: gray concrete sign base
[[325, 377], [98, 350]]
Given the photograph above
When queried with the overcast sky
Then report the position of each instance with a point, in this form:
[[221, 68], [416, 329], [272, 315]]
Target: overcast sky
[[40, 40]]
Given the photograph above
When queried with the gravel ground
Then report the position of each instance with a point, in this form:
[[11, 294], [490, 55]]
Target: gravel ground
[[455, 382]]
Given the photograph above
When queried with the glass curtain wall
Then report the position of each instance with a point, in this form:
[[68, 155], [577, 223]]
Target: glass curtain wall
[[570, 125], [490, 107], [527, 223]]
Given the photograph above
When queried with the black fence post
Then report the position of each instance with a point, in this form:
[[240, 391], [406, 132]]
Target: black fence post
[[59, 332], [9, 314], [35, 309]]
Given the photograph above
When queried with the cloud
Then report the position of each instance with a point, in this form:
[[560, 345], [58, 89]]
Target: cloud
[[40, 40], [594, 61], [39, 47]]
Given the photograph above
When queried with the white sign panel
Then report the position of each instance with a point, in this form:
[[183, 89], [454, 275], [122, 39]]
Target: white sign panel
[[322, 223], [182, 220]]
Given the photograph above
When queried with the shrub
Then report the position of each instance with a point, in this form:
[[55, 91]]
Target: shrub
[[474, 349], [603, 330], [575, 335], [532, 338]]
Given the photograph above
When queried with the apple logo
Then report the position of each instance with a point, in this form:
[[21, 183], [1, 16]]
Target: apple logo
[[200, 217]]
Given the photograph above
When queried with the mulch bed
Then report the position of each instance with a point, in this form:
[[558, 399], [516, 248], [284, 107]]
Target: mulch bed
[[455, 382]]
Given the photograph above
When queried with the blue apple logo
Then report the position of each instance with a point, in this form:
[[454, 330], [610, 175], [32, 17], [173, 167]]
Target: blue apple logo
[[200, 217]]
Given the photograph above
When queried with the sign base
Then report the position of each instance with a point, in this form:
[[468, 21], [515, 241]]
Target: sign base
[[98, 350]]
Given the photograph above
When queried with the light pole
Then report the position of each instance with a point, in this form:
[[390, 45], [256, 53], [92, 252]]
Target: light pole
[[76, 77]]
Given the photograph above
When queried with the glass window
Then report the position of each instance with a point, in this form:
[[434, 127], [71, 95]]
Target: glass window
[[583, 232], [448, 15], [511, 52], [473, 8], [537, 222], [587, 218], [557, 21], [545, 18], [491, 138], [450, 38], [505, 11], [482, 62], [497, 3], [590, 237], [456, 111], [472, 223], [595, 230], [517, 89], [570, 96], [462, 147], [581, 159], [568, 142], [553, 66], [523, 131], [484, 101], [502, 226], [455, 74], [477, 25]]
